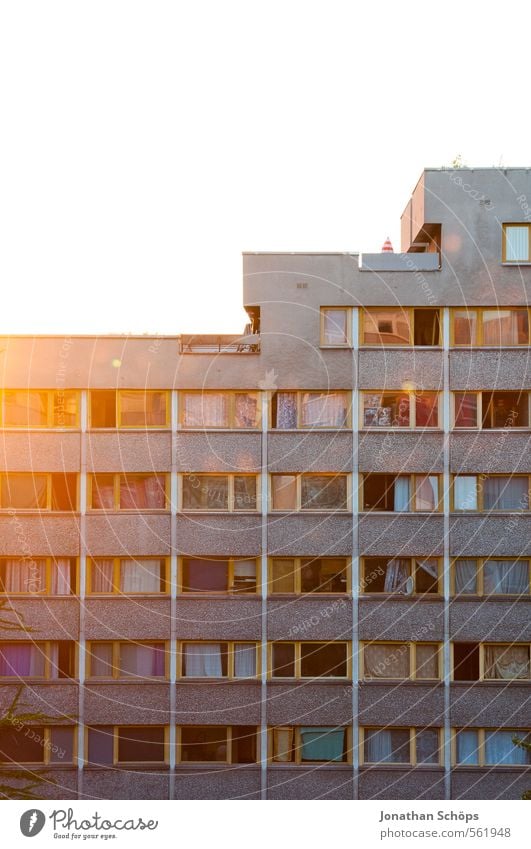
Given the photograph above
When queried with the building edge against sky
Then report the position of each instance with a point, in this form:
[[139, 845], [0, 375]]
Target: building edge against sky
[[295, 563]]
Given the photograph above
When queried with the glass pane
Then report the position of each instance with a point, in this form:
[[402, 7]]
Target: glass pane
[[208, 409], [244, 576], [505, 327], [427, 410], [324, 409], [142, 409], [22, 659], [141, 745], [100, 658], [64, 491], [243, 744], [323, 575], [426, 493], [62, 745], [386, 410], [21, 744], [335, 327], [504, 493], [323, 744], [283, 744], [500, 749], [466, 409], [100, 745], [102, 490], [465, 492], [386, 660], [142, 661], [103, 408], [63, 576], [507, 662], [323, 492], [505, 576], [65, 405], [323, 660], [284, 492], [205, 660], [505, 409], [427, 661], [426, 327], [283, 655], [282, 576], [467, 747], [465, 327], [205, 492], [427, 743], [23, 576], [427, 575], [386, 327], [244, 492], [203, 576], [141, 576], [284, 412], [245, 410], [203, 744], [24, 492], [25, 409], [142, 492], [466, 581], [101, 576], [517, 243], [244, 660], [386, 746]]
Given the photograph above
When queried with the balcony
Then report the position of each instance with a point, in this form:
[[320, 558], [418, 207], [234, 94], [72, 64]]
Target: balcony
[[219, 344]]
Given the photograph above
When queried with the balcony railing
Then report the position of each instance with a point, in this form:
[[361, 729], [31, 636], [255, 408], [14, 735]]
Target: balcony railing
[[219, 344]]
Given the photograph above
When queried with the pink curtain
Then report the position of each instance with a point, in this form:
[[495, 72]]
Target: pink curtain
[[25, 576], [101, 576], [61, 578]]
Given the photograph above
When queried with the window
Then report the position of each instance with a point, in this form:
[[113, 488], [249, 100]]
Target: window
[[41, 491], [311, 744], [218, 660], [291, 410], [220, 409], [490, 410], [516, 243], [235, 744], [109, 745], [127, 576], [308, 575], [129, 408], [128, 492], [417, 326], [490, 661], [220, 493], [218, 575], [309, 660], [45, 659], [400, 409], [490, 492], [36, 744], [37, 576], [126, 660], [419, 661], [38, 408], [414, 746], [335, 327], [497, 576], [309, 492], [400, 493], [401, 575], [488, 747], [491, 327]]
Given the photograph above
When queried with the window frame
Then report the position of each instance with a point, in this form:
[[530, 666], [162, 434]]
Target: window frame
[[47, 662], [118, 409], [507, 226], [298, 656], [413, 759], [335, 307], [299, 393], [231, 407], [231, 561], [412, 395], [412, 496], [480, 478], [117, 476], [412, 659], [297, 746], [365, 310], [47, 747], [298, 479], [479, 343], [413, 574], [481, 647], [230, 492], [297, 579], [229, 746], [50, 409], [230, 645], [116, 667], [481, 749], [480, 578], [49, 489], [117, 561], [479, 408], [49, 561], [115, 746]]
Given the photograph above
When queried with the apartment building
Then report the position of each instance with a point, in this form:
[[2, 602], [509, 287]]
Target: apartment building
[[293, 564]]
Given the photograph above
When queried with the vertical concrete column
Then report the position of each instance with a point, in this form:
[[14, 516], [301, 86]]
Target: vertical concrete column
[[355, 552], [174, 498], [264, 502], [83, 414], [446, 552]]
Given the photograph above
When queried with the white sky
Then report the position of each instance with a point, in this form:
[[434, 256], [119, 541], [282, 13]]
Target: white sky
[[145, 145]]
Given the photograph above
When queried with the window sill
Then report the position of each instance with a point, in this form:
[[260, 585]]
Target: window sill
[[212, 429], [188, 512], [508, 597], [494, 682], [311, 429], [311, 595], [318, 680], [516, 263], [128, 681], [393, 682], [134, 429], [151, 765], [212, 595], [213, 765], [402, 596], [382, 347], [310, 765], [293, 511], [408, 766], [397, 429], [222, 680], [121, 595]]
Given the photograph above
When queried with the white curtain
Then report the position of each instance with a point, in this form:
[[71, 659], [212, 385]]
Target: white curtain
[[503, 493], [378, 746], [140, 576], [504, 576], [61, 577], [101, 660], [202, 660], [324, 409], [507, 662], [402, 494], [335, 327], [386, 660], [500, 749], [427, 494], [53, 657], [244, 660], [101, 575], [501, 327], [25, 576], [208, 410], [397, 577], [286, 410], [465, 492], [465, 576], [467, 747]]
